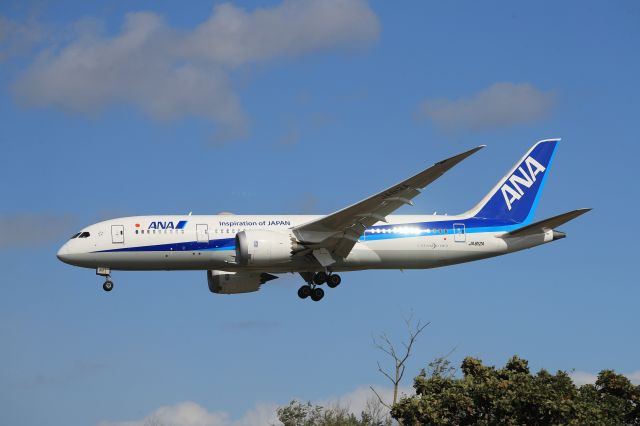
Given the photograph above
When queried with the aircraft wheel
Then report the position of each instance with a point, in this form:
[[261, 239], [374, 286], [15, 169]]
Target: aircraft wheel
[[304, 292], [320, 278], [317, 294], [107, 286], [334, 280]]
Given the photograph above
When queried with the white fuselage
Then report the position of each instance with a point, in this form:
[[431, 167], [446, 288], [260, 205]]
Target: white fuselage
[[207, 242]]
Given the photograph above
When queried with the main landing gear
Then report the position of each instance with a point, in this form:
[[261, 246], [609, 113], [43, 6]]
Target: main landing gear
[[106, 273], [314, 280]]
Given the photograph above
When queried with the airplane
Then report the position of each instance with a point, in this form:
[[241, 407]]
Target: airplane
[[240, 253]]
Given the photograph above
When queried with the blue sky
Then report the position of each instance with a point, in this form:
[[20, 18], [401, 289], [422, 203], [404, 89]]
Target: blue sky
[[112, 108]]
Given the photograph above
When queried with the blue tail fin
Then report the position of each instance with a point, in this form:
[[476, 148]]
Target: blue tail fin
[[515, 197]]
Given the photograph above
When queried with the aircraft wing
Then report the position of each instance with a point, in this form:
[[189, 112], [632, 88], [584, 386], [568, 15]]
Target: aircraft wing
[[332, 237]]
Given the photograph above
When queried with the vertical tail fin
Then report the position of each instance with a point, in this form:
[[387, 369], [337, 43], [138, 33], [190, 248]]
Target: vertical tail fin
[[515, 198]]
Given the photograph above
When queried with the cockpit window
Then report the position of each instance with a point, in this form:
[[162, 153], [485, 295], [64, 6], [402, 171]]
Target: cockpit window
[[84, 235], [74, 236]]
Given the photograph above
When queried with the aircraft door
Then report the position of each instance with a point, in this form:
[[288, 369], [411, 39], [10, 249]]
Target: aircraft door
[[202, 233], [117, 234], [459, 235]]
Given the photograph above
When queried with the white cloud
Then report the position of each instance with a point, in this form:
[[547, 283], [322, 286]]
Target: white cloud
[[170, 73], [634, 377], [17, 37], [583, 377], [189, 413], [234, 37], [500, 105]]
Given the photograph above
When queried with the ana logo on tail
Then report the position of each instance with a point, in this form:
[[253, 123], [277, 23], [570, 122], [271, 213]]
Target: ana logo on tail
[[514, 192]]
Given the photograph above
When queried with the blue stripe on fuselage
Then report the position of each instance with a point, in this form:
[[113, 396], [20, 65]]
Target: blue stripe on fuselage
[[434, 229], [212, 245]]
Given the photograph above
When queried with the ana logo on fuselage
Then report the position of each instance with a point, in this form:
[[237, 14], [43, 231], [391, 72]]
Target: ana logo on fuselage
[[167, 225], [514, 192]]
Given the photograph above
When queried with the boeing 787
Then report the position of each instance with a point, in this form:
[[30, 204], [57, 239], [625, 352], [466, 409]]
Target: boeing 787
[[242, 252]]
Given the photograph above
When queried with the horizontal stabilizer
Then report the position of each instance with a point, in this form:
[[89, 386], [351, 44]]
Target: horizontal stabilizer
[[545, 225]]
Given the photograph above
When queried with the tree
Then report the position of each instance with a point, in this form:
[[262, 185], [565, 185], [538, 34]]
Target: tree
[[398, 357], [512, 395], [298, 414]]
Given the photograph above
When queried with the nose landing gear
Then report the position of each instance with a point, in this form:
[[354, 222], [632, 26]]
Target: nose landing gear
[[106, 273]]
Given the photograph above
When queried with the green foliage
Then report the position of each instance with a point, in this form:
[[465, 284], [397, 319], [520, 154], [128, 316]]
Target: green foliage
[[297, 414], [513, 396]]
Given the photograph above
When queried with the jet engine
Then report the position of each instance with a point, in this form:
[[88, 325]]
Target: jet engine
[[258, 247], [233, 283]]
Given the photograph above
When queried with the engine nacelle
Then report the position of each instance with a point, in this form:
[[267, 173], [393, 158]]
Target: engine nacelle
[[233, 283], [261, 247]]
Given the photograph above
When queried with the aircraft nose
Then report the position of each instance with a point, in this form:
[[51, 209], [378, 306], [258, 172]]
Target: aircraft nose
[[63, 253]]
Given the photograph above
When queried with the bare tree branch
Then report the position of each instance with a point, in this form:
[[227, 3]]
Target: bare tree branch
[[380, 398], [385, 373], [384, 344]]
